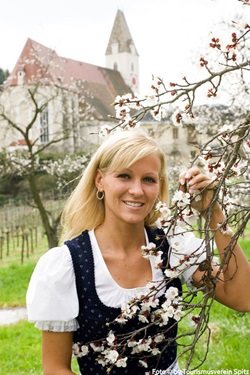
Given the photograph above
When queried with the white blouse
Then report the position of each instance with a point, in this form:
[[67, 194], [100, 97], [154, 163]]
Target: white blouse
[[52, 300]]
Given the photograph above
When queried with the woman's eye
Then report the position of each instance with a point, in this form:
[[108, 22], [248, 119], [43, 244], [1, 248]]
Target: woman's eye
[[124, 176], [149, 179]]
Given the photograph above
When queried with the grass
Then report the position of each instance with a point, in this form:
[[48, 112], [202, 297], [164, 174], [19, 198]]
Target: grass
[[13, 290], [229, 342], [229, 345], [15, 276], [20, 345], [20, 350]]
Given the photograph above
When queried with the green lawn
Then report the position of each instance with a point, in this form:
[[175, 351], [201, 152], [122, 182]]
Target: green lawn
[[229, 347], [13, 284], [20, 350]]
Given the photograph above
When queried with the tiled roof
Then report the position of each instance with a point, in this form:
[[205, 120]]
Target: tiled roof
[[41, 64], [120, 34], [20, 142]]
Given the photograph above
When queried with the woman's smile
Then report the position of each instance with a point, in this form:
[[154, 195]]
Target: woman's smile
[[133, 204]]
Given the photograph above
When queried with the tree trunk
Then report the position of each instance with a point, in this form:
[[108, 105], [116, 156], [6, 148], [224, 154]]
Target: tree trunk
[[50, 229]]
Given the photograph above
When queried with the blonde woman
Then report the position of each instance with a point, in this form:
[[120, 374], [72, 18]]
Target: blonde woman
[[79, 289]]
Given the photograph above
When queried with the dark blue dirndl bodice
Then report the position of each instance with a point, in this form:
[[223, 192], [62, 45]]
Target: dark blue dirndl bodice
[[94, 315]]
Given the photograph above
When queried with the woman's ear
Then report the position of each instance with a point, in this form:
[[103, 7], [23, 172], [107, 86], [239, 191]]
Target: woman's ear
[[99, 180]]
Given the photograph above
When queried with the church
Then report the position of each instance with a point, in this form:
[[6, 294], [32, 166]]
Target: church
[[60, 104], [64, 101]]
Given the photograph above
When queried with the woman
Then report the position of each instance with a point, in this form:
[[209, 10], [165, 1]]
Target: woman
[[78, 289]]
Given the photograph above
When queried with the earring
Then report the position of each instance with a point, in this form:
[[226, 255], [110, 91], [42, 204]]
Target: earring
[[100, 195]]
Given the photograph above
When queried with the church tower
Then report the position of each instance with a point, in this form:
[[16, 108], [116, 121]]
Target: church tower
[[121, 53]]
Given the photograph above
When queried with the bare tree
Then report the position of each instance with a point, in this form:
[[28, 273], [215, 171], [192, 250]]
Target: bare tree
[[34, 133]]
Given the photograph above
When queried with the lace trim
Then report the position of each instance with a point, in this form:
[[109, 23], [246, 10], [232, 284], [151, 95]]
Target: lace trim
[[58, 326]]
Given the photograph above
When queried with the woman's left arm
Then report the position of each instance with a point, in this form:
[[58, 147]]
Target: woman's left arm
[[233, 284]]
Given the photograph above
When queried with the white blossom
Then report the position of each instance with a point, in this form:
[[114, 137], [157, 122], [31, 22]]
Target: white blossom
[[105, 130], [155, 351], [110, 338], [121, 362], [149, 303], [181, 199], [151, 100], [172, 293], [164, 318], [75, 349], [132, 343], [193, 320], [143, 363], [111, 355], [164, 210], [142, 318], [159, 338], [97, 347], [171, 273], [177, 118], [129, 311], [178, 313], [121, 319]]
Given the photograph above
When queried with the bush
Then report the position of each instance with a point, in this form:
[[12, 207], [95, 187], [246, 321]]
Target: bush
[[4, 199]]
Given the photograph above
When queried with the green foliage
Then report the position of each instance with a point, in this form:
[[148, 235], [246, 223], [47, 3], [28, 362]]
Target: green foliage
[[4, 198], [9, 184]]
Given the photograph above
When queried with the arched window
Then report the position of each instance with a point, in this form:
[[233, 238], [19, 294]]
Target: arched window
[[115, 66], [44, 125], [132, 67]]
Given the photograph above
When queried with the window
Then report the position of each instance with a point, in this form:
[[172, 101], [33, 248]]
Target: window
[[115, 66], [44, 126], [192, 135], [175, 132], [175, 158]]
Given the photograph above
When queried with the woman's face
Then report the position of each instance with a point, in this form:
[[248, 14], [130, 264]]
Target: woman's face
[[130, 194]]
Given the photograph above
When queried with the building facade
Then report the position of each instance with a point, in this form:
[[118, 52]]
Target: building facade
[[59, 104]]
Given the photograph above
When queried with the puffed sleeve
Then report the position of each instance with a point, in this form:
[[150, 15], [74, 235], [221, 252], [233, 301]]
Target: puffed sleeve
[[51, 294], [189, 251]]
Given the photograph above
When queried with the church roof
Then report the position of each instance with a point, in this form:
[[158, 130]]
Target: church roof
[[41, 64], [120, 34]]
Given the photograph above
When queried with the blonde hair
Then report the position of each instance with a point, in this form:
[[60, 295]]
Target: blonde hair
[[119, 151]]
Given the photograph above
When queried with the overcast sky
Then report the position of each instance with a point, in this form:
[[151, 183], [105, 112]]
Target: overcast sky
[[169, 34]]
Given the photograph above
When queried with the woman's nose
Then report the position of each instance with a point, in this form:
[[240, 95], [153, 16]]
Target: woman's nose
[[136, 187]]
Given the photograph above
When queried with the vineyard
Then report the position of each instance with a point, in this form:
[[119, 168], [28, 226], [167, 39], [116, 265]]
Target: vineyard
[[21, 228]]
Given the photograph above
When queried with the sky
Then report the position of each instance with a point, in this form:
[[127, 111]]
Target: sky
[[169, 35]]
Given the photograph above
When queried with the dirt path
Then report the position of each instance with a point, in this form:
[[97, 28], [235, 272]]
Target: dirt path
[[11, 316]]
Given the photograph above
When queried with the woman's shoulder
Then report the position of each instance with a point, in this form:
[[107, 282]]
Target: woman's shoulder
[[53, 268], [52, 288], [56, 256]]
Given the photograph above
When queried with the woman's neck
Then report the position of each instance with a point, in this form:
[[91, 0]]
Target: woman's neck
[[123, 237]]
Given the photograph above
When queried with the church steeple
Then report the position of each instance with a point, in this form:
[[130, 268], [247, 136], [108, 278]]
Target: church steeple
[[121, 53]]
